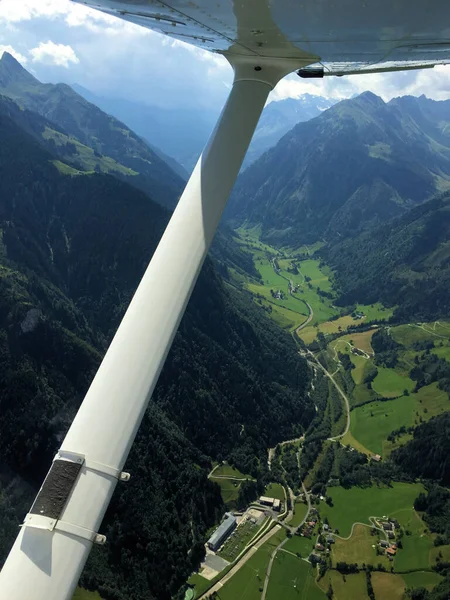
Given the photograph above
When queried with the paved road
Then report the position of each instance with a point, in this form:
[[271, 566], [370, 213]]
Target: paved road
[[343, 395], [280, 546], [308, 320], [216, 587], [371, 526]]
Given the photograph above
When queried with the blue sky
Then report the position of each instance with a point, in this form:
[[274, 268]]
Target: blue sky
[[59, 41]]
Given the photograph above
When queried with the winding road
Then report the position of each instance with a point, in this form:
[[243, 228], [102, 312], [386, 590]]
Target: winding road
[[371, 526], [308, 320], [338, 388]]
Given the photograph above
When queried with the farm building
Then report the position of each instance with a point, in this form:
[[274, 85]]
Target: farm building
[[394, 522], [277, 504], [222, 532], [319, 547], [384, 544], [391, 551], [391, 535], [266, 501], [387, 526], [376, 457], [330, 539]]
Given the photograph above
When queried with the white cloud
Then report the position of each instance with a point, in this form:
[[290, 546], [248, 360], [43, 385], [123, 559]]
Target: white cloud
[[15, 11], [113, 57], [75, 15], [54, 54], [17, 55]]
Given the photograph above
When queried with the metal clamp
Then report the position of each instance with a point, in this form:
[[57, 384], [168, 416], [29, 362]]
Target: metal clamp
[[93, 465], [48, 524]]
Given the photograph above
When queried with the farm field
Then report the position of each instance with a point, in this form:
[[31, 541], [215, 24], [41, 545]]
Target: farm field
[[372, 423], [246, 583], [387, 585], [438, 332], [229, 490], [360, 340], [294, 304], [361, 394], [352, 587], [358, 504], [426, 579], [340, 325], [375, 312], [349, 440], [300, 510], [358, 548], [293, 578], [417, 546], [275, 490], [444, 550], [303, 545], [227, 477], [390, 384], [199, 583]]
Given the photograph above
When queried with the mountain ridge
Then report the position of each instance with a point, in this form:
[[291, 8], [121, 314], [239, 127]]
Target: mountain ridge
[[359, 148], [84, 121], [183, 134]]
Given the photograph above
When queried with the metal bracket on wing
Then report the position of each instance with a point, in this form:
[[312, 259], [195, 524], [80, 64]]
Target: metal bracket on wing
[[92, 465], [52, 497]]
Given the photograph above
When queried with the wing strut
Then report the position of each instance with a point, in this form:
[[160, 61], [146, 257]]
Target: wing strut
[[54, 542]]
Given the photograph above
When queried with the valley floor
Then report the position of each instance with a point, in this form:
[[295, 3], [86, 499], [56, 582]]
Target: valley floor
[[373, 409]]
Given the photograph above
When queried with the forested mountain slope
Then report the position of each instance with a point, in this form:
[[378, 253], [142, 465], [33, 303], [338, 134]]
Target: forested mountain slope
[[91, 127], [404, 263], [358, 164], [73, 248], [427, 454], [280, 117]]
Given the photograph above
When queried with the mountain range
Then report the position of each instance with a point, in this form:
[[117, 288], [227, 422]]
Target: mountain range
[[87, 138], [357, 165], [182, 134], [74, 244]]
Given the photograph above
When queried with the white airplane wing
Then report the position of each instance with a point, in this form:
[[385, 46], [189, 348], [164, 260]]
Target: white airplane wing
[[345, 36], [263, 40]]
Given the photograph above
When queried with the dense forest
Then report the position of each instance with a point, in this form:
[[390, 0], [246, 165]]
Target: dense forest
[[405, 263], [73, 248], [427, 454]]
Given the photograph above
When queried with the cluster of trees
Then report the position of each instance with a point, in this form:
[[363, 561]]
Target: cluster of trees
[[386, 349], [291, 467], [426, 455], [428, 368], [392, 437]]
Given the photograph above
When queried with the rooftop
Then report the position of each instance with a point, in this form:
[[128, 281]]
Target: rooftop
[[223, 528]]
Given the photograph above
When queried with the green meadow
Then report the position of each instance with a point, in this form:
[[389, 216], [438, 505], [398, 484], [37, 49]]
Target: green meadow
[[358, 504]]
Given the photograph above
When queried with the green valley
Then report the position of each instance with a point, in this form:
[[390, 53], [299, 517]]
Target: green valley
[[385, 372]]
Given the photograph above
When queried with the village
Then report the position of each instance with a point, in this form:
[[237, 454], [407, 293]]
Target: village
[[239, 531]]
